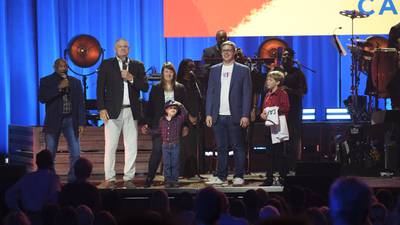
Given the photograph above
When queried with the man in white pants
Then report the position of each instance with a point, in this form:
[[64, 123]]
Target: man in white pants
[[119, 83]]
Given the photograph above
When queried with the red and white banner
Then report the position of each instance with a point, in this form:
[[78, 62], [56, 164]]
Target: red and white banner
[[202, 18]]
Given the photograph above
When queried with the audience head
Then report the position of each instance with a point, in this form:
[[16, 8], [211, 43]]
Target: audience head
[[49, 213], [16, 218], [85, 215], [350, 201], [208, 205], [66, 216], [83, 168], [386, 197], [104, 218], [159, 202], [268, 212], [378, 214], [237, 208], [185, 201], [44, 159], [316, 217]]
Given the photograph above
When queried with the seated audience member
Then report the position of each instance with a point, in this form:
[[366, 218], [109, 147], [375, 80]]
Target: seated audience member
[[36, 189], [81, 192], [104, 218], [350, 201], [49, 213], [315, 216], [268, 212], [16, 218], [378, 214], [85, 215], [66, 216], [225, 218], [159, 202], [237, 208], [208, 206]]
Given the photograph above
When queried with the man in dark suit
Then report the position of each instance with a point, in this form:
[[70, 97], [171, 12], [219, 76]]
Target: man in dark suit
[[119, 83], [212, 55], [65, 111], [227, 111]]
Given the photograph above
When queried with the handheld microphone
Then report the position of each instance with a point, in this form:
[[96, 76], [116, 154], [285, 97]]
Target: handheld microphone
[[125, 64]]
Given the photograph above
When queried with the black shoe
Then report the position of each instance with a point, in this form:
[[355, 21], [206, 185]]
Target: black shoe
[[267, 182], [148, 183], [175, 185], [168, 185]]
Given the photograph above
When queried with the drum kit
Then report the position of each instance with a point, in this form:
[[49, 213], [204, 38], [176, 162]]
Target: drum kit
[[373, 58]]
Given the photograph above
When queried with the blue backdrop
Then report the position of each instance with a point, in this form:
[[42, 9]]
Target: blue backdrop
[[34, 33]]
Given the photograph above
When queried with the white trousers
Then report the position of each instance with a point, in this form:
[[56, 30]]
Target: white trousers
[[112, 131]]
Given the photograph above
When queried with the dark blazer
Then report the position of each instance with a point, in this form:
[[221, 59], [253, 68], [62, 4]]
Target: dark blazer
[[394, 34], [110, 87], [155, 107], [239, 92], [52, 97]]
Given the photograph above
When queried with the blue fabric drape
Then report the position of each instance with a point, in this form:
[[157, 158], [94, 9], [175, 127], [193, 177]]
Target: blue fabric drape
[[34, 33]]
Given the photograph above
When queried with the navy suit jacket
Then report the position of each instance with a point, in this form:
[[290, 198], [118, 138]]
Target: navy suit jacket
[[52, 97], [239, 92]]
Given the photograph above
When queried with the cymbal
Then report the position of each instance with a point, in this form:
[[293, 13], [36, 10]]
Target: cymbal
[[353, 14]]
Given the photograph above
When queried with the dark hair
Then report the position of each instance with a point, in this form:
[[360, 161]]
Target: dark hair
[[83, 168], [60, 60], [44, 159], [170, 66], [183, 65]]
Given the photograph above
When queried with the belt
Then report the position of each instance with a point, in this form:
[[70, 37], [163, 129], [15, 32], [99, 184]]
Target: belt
[[125, 106]]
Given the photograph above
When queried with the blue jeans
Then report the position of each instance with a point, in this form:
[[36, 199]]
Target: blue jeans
[[171, 162], [228, 133], [73, 144]]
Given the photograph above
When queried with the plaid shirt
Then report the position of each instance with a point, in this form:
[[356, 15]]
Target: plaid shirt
[[171, 130], [67, 105]]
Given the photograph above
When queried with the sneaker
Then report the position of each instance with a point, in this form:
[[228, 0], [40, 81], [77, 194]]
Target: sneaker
[[277, 181], [129, 184], [238, 182], [216, 181], [107, 184]]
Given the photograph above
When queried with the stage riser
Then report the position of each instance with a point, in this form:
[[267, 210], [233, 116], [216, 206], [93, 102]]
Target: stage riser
[[31, 140]]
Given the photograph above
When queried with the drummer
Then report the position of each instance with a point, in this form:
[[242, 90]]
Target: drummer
[[393, 86]]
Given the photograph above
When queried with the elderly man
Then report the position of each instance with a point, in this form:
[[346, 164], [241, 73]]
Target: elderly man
[[119, 83]]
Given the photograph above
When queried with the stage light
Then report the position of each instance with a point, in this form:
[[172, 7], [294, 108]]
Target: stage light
[[337, 114], [308, 114]]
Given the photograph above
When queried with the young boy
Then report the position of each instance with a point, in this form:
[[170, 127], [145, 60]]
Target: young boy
[[170, 129], [275, 97]]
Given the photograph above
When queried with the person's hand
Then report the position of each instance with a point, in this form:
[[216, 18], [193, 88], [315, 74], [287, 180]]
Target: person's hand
[[244, 122], [185, 131], [81, 129], [253, 115], [193, 119], [104, 115], [126, 76], [63, 84], [209, 121], [145, 129], [263, 115]]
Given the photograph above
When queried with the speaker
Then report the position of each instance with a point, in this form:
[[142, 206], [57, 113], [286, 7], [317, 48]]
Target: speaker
[[317, 176], [304, 168]]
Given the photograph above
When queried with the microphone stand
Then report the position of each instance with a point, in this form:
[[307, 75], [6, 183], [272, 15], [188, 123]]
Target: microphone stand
[[198, 126], [304, 66]]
